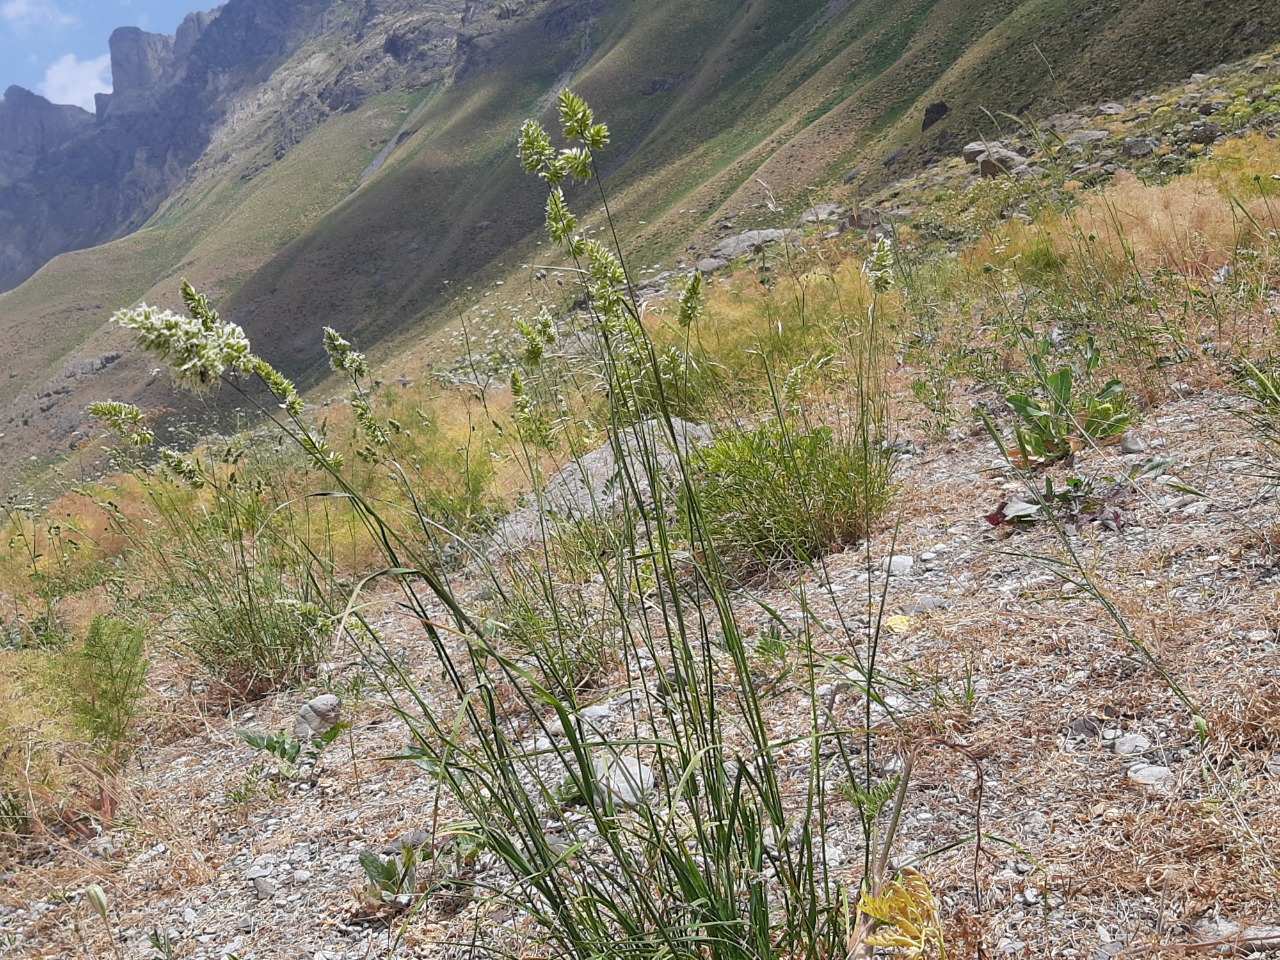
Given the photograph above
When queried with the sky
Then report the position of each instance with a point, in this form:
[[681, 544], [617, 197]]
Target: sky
[[58, 48]]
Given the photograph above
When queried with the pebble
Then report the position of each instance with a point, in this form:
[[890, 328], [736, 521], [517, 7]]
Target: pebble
[[627, 780], [1132, 443], [923, 605], [1150, 775], [897, 566], [264, 888], [1130, 744], [596, 715], [317, 716]]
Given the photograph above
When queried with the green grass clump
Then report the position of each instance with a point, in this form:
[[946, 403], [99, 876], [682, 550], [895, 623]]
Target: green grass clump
[[106, 680], [242, 594], [252, 630], [13, 813], [770, 495], [1260, 384]]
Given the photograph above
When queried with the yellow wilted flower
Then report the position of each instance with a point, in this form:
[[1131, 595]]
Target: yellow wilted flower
[[898, 624], [906, 914]]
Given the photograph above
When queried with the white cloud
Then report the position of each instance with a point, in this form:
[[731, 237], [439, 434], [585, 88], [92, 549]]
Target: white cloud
[[71, 80], [35, 13]]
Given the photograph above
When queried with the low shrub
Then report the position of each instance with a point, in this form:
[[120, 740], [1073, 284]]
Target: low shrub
[[253, 630], [106, 679]]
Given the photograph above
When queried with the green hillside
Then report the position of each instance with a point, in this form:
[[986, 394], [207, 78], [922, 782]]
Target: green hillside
[[715, 106]]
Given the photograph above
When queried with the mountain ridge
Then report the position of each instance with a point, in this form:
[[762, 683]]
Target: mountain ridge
[[284, 217]]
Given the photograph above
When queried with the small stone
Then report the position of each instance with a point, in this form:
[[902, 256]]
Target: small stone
[[596, 714], [933, 113], [997, 161], [1273, 765], [791, 837], [709, 265], [414, 838], [922, 605], [257, 871], [671, 684], [1132, 443], [972, 151], [1138, 147], [865, 218], [317, 716], [897, 566], [1150, 775], [1131, 744], [264, 888], [1111, 109], [1262, 937], [301, 876], [625, 780], [1217, 928], [821, 212], [1086, 726], [188, 916], [743, 244], [1031, 896], [1204, 132]]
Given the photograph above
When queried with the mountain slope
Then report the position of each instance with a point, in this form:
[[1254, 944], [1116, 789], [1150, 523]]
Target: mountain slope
[[367, 154]]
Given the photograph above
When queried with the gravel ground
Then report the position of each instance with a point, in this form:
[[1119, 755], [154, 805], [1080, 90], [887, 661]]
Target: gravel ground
[[1109, 825]]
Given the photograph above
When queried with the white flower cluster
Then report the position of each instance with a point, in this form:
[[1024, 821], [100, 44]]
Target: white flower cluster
[[199, 351], [879, 266], [125, 420]]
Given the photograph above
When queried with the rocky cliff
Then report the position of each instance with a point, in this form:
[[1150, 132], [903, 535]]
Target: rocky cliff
[[70, 179]]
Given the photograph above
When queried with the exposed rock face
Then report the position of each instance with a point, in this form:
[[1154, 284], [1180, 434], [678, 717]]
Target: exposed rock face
[[69, 179], [412, 49], [933, 113], [31, 126], [139, 62]]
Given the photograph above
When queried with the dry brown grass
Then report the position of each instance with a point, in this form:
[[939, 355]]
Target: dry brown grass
[[1193, 224], [35, 767]]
